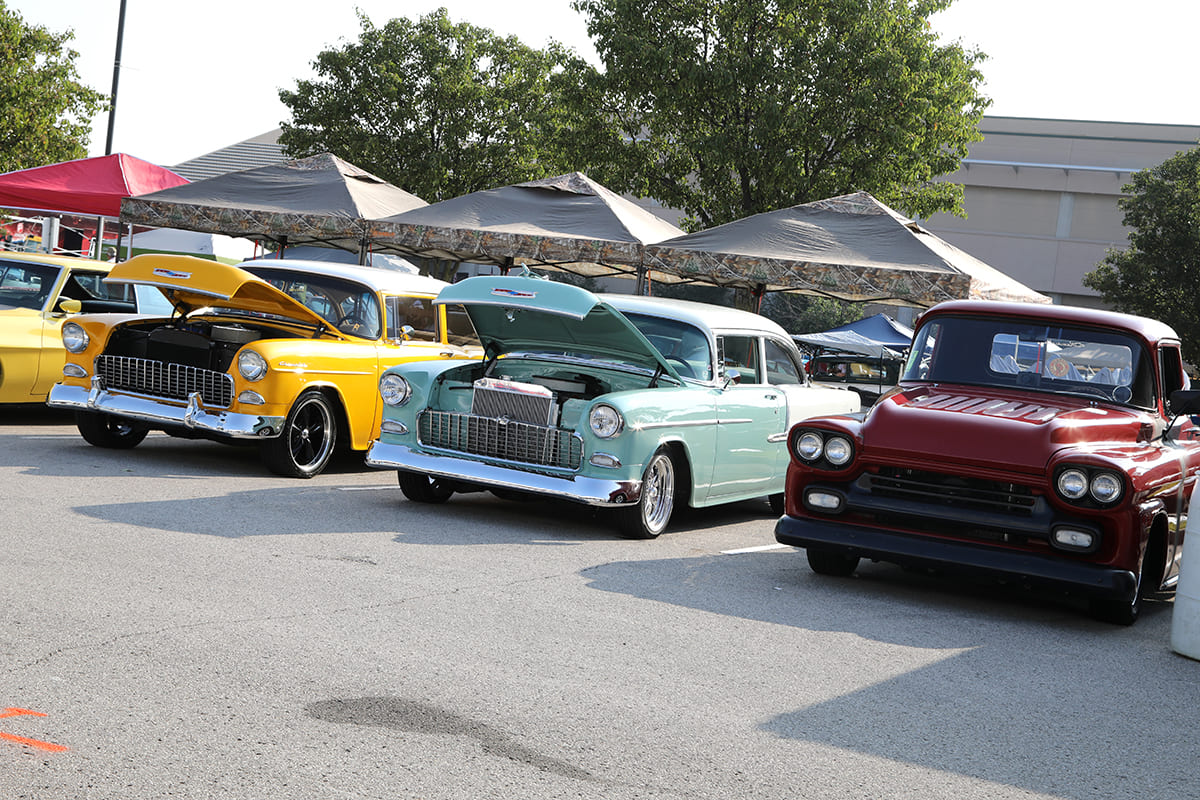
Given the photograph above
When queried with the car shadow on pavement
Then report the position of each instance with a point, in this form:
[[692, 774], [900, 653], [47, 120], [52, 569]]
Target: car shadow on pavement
[[997, 683]]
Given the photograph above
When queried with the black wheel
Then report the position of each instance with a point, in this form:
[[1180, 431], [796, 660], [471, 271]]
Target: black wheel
[[776, 501], [1115, 610], [104, 430], [421, 488], [827, 562], [649, 517], [306, 444]]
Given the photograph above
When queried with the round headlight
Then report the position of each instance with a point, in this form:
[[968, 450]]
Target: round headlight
[[605, 421], [838, 451], [1105, 488], [251, 365], [808, 446], [394, 389], [74, 337], [1072, 484]]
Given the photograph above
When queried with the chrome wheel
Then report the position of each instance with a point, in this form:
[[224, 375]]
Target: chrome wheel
[[649, 517]]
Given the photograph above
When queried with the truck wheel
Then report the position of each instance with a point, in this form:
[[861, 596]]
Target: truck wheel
[[649, 517], [421, 488], [1117, 610], [776, 501], [304, 448], [827, 562], [105, 430]]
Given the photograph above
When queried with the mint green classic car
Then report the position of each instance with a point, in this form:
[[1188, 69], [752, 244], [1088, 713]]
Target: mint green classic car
[[632, 403]]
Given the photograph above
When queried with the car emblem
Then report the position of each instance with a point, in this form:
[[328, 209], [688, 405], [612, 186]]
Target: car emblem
[[170, 273], [502, 292]]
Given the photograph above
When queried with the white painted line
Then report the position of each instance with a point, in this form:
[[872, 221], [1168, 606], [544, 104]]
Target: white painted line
[[757, 549], [364, 488]]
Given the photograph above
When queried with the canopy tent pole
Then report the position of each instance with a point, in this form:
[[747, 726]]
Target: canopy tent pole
[[99, 238]]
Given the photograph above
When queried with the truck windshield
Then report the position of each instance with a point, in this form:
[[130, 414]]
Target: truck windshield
[[1013, 353]]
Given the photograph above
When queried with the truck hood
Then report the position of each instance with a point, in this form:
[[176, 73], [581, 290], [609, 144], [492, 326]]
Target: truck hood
[[193, 283], [966, 425], [535, 315]]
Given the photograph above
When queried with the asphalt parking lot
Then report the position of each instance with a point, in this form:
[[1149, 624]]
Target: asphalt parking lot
[[184, 624]]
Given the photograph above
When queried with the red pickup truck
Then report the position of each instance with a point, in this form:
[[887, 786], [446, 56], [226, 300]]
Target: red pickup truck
[[1048, 444]]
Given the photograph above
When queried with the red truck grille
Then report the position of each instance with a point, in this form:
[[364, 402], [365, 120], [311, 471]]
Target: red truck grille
[[952, 491]]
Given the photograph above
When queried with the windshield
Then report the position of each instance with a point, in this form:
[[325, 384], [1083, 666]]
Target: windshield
[[1047, 358], [26, 285], [352, 307], [684, 346]]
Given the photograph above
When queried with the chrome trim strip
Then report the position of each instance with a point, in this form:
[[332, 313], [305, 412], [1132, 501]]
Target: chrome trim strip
[[590, 491], [306, 371], [695, 424], [194, 415], [777, 437]]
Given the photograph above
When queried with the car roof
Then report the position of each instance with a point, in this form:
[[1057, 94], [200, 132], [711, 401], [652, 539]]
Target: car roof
[[702, 315], [381, 280], [1149, 329], [54, 260]]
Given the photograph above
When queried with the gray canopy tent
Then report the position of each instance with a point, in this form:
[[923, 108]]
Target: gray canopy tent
[[568, 222], [851, 247], [316, 200]]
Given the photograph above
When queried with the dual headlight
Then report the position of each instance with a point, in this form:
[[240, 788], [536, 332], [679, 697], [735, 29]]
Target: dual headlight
[[1076, 484], [74, 337], [814, 447]]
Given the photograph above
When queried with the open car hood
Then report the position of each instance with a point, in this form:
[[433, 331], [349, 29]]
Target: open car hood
[[536, 315], [192, 283]]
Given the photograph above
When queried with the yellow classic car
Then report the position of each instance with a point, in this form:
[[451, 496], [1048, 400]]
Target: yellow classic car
[[38, 293], [288, 353]]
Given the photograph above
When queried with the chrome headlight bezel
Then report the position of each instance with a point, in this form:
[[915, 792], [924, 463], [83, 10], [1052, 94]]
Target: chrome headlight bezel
[[1089, 486], [394, 389], [74, 338], [604, 421], [809, 446], [822, 449], [251, 365], [838, 451]]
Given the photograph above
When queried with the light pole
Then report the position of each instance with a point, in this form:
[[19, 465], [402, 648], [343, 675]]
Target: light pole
[[112, 111]]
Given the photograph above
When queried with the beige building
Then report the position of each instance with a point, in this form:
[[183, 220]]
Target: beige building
[[1041, 196]]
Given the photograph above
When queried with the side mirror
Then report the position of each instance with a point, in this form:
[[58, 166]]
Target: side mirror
[[1185, 401], [733, 375], [69, 305]]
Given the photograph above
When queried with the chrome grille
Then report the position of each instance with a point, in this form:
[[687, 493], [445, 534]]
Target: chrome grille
[[955, 491], [521, 442], [524, 402], [160, 379]]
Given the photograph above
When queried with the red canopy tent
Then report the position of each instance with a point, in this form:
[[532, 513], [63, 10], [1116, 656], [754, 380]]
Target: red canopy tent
[[88, 186]]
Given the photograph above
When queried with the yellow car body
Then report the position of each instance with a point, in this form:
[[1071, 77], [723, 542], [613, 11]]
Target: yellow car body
[[33, 288], [285, 352]]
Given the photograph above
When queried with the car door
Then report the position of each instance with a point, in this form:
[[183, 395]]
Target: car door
[[751, 414]]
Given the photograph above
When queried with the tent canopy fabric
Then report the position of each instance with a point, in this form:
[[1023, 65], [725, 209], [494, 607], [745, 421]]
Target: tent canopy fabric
[[848, 342], [88, 186], [879, 328], [316, 199], [851, 247], [561, 221]]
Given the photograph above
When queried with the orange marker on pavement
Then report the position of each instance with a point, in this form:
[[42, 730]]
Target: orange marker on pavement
[[40, 745]]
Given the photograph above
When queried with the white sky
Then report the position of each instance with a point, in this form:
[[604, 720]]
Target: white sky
[[196, 77]]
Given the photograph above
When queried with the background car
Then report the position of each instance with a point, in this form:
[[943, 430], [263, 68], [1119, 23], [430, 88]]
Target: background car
[[868, 376], [1035, 443], [285, 353], [630, 403], [37, 294]]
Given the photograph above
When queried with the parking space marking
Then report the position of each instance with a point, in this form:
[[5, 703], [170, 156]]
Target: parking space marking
[[49, 747], [756, 549]]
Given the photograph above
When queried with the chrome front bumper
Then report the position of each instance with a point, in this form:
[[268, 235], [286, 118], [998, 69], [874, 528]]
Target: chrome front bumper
[[192, 416], [590, 491]]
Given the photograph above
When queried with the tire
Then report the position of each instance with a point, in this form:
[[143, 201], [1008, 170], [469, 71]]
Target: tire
[[777, 505], [827, 562], [304, 448], [649, 517], [105, 430], [420, 488], [1115, 610]]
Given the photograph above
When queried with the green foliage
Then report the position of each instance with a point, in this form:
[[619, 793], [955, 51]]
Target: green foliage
[[809, 314], [45, 111], [438, 108], [727, 108], [1158, 274]]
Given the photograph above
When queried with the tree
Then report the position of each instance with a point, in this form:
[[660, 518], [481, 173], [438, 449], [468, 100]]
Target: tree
[[438, 108], [1158, 274], [727, 108], [45, 112]]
